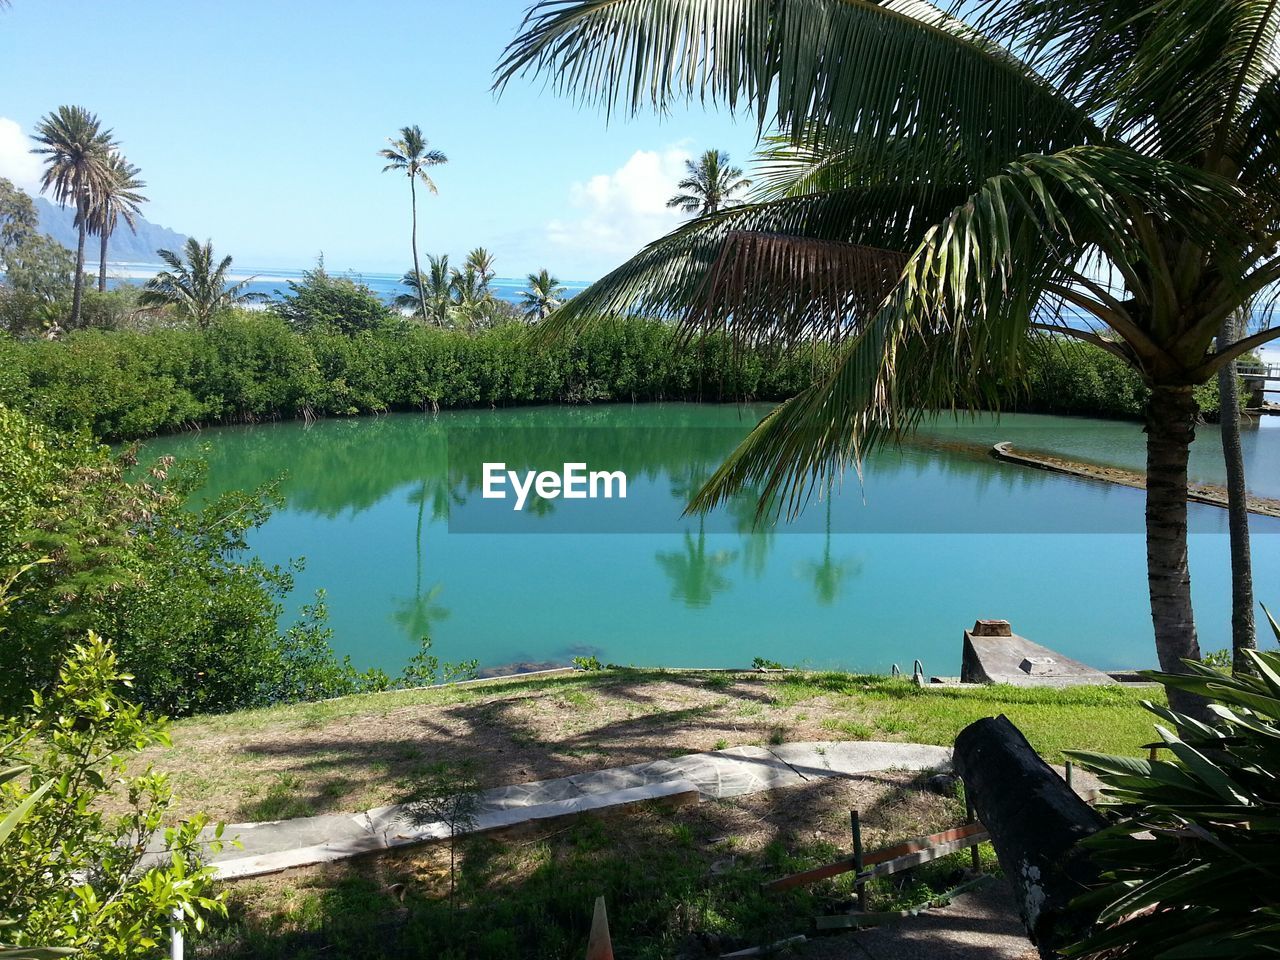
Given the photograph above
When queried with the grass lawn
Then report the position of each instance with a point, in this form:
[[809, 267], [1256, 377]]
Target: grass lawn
[[358, 752]]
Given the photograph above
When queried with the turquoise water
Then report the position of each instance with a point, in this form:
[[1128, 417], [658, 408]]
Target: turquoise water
[[881, 573]]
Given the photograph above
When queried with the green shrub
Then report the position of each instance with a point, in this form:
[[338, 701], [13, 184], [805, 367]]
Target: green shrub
[[72, 877], [1194, 846], [320, 300], [194, 619]]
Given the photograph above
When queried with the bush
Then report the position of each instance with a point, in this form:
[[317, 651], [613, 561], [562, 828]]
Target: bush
[[73, 877], [193, 617], [1194, 847], [339, 303]]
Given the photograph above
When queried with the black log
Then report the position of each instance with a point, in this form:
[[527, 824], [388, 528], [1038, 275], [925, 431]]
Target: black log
[[1036, 822]]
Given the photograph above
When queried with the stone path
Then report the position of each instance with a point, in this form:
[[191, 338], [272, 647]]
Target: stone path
[[284, 844]]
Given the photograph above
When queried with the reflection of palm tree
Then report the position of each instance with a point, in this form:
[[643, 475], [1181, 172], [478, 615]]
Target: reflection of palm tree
[[695, 573], [416, 614], [757, 538], [828, 573]]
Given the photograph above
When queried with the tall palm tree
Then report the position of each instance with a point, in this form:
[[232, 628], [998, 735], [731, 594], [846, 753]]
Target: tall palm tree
[[409, 155], [1244, 635], [196, 287], [946, 182], [710, 185], [543, 294], [116, 198], [77, 155]]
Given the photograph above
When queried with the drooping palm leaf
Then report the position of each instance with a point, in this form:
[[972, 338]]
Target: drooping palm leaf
[[832, 71]]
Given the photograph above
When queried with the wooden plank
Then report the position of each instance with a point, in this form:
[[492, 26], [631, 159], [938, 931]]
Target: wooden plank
[[922, 843], [964, 836], [935, 852], [599, 943], [834, 869]]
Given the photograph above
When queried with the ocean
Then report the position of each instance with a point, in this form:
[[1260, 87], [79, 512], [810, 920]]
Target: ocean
[[274, 281]]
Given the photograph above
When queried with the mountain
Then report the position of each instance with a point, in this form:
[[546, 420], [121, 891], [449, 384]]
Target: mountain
[[59, 223]]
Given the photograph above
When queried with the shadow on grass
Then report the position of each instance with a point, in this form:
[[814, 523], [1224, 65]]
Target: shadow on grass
[[678, 883]]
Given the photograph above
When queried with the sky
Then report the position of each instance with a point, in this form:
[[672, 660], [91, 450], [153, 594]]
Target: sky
[[257, 124]]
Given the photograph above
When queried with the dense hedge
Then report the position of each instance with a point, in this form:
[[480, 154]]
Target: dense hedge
[[252, 366]]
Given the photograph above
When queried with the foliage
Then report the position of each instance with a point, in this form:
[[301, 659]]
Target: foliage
[[590, 664], [252, 366], [764, 663], [542, 295], [194, 619], [40, 267], [461, 299], [194, 286], [18, 219], [321, 300], [1193, 843], [71, 875], [710, 184]]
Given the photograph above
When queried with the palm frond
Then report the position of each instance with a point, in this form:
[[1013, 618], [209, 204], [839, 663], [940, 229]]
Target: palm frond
[[853, 70], [953, 330]]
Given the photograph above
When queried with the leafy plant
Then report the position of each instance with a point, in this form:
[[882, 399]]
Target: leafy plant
[[761, 663], [71, 875], [1192, 854], [590, 663]]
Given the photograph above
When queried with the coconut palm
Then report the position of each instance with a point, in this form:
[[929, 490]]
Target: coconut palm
[[480, 260], [434, 288], [710, 185], [117, 197], [473, 300], [77, 154], [543, 294], [195, 286], [409, 155], [944, 183]]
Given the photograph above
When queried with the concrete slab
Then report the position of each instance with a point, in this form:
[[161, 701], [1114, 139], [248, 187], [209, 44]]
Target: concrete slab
[[281, 845], [736, 772], [847, 759], [993, 653]]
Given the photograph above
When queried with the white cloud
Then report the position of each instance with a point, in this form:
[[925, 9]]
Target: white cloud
[[17, 162], [620, 211]]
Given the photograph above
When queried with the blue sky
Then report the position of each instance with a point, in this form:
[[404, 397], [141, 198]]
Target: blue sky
[[257, 124]]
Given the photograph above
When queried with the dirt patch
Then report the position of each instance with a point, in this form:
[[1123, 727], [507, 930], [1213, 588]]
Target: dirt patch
[[317, 764]]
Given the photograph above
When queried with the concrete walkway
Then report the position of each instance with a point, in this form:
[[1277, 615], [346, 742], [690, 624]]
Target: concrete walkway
[[284, 844]]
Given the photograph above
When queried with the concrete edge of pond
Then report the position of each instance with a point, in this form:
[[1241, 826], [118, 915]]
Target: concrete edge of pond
[[1210, 494]]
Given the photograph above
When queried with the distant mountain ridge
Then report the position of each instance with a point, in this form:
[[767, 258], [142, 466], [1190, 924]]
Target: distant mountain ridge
[[59, 223]]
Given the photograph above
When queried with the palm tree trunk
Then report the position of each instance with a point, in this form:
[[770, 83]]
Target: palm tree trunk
[[417, 272], [1243, 632], [77, 290], [1171, 417], [102, 263]]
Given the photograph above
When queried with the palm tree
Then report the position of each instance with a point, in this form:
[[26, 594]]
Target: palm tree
[[77, 155], [543, 294], [116, 198], [196, 287], [943, 184], [472, 298], [710, 185], [1243, 628], [434, 289], [481, 261], [409, 155]]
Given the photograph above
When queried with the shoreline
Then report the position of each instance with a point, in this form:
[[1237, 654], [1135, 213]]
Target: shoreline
[[1212, 494]]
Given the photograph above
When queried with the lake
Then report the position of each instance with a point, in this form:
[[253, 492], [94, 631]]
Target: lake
[[389, 515]]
